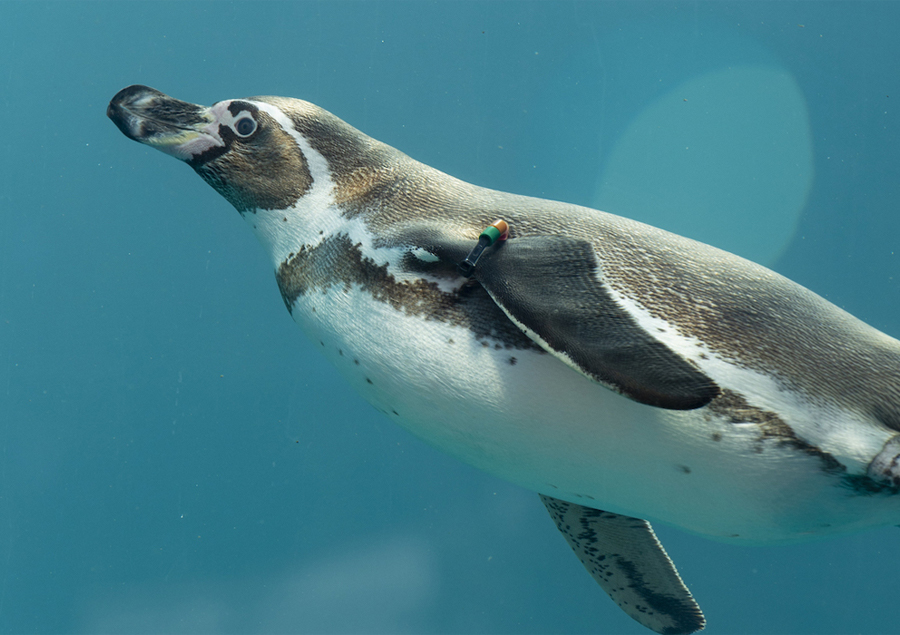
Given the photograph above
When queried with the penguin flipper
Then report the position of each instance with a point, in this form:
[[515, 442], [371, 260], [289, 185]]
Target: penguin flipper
[[627, 560], [552, 289]]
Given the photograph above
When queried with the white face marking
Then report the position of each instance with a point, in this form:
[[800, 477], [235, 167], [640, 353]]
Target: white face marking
[[222, 116]]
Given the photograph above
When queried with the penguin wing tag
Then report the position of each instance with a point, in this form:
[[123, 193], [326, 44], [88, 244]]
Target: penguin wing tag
[[550, 287]]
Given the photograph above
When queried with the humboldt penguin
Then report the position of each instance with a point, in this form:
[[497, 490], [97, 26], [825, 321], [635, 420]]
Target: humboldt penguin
[[624, 373]]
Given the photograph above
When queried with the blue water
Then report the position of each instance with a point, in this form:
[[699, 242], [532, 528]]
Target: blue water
[[176, 457]]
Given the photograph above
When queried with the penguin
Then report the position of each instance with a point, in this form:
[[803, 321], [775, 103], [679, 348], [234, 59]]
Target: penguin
[[626, 374]]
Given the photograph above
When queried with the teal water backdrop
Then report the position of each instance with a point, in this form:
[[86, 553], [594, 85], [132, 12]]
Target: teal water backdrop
[[176, 457]]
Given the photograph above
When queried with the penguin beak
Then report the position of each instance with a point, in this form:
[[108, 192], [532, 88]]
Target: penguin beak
[[178, 128]]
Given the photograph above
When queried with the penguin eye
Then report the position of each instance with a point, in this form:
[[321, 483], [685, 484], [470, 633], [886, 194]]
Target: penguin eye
[[245, 126]]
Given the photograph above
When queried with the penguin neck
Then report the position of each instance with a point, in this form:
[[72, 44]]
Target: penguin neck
[[306, 224]]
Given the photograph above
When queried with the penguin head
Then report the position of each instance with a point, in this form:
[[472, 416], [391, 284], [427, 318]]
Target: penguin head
[[246, 149]]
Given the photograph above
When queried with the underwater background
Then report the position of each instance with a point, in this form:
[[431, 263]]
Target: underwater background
[[176, 457]]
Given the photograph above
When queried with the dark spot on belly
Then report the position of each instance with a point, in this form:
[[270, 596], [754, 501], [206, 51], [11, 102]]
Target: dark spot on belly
[[512, 361], [395, 412], [368, 380], [684, 468], [340, 352], [716, 436], [356, 361]]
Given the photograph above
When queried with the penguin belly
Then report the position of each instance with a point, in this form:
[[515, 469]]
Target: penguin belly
[[525, 417]]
